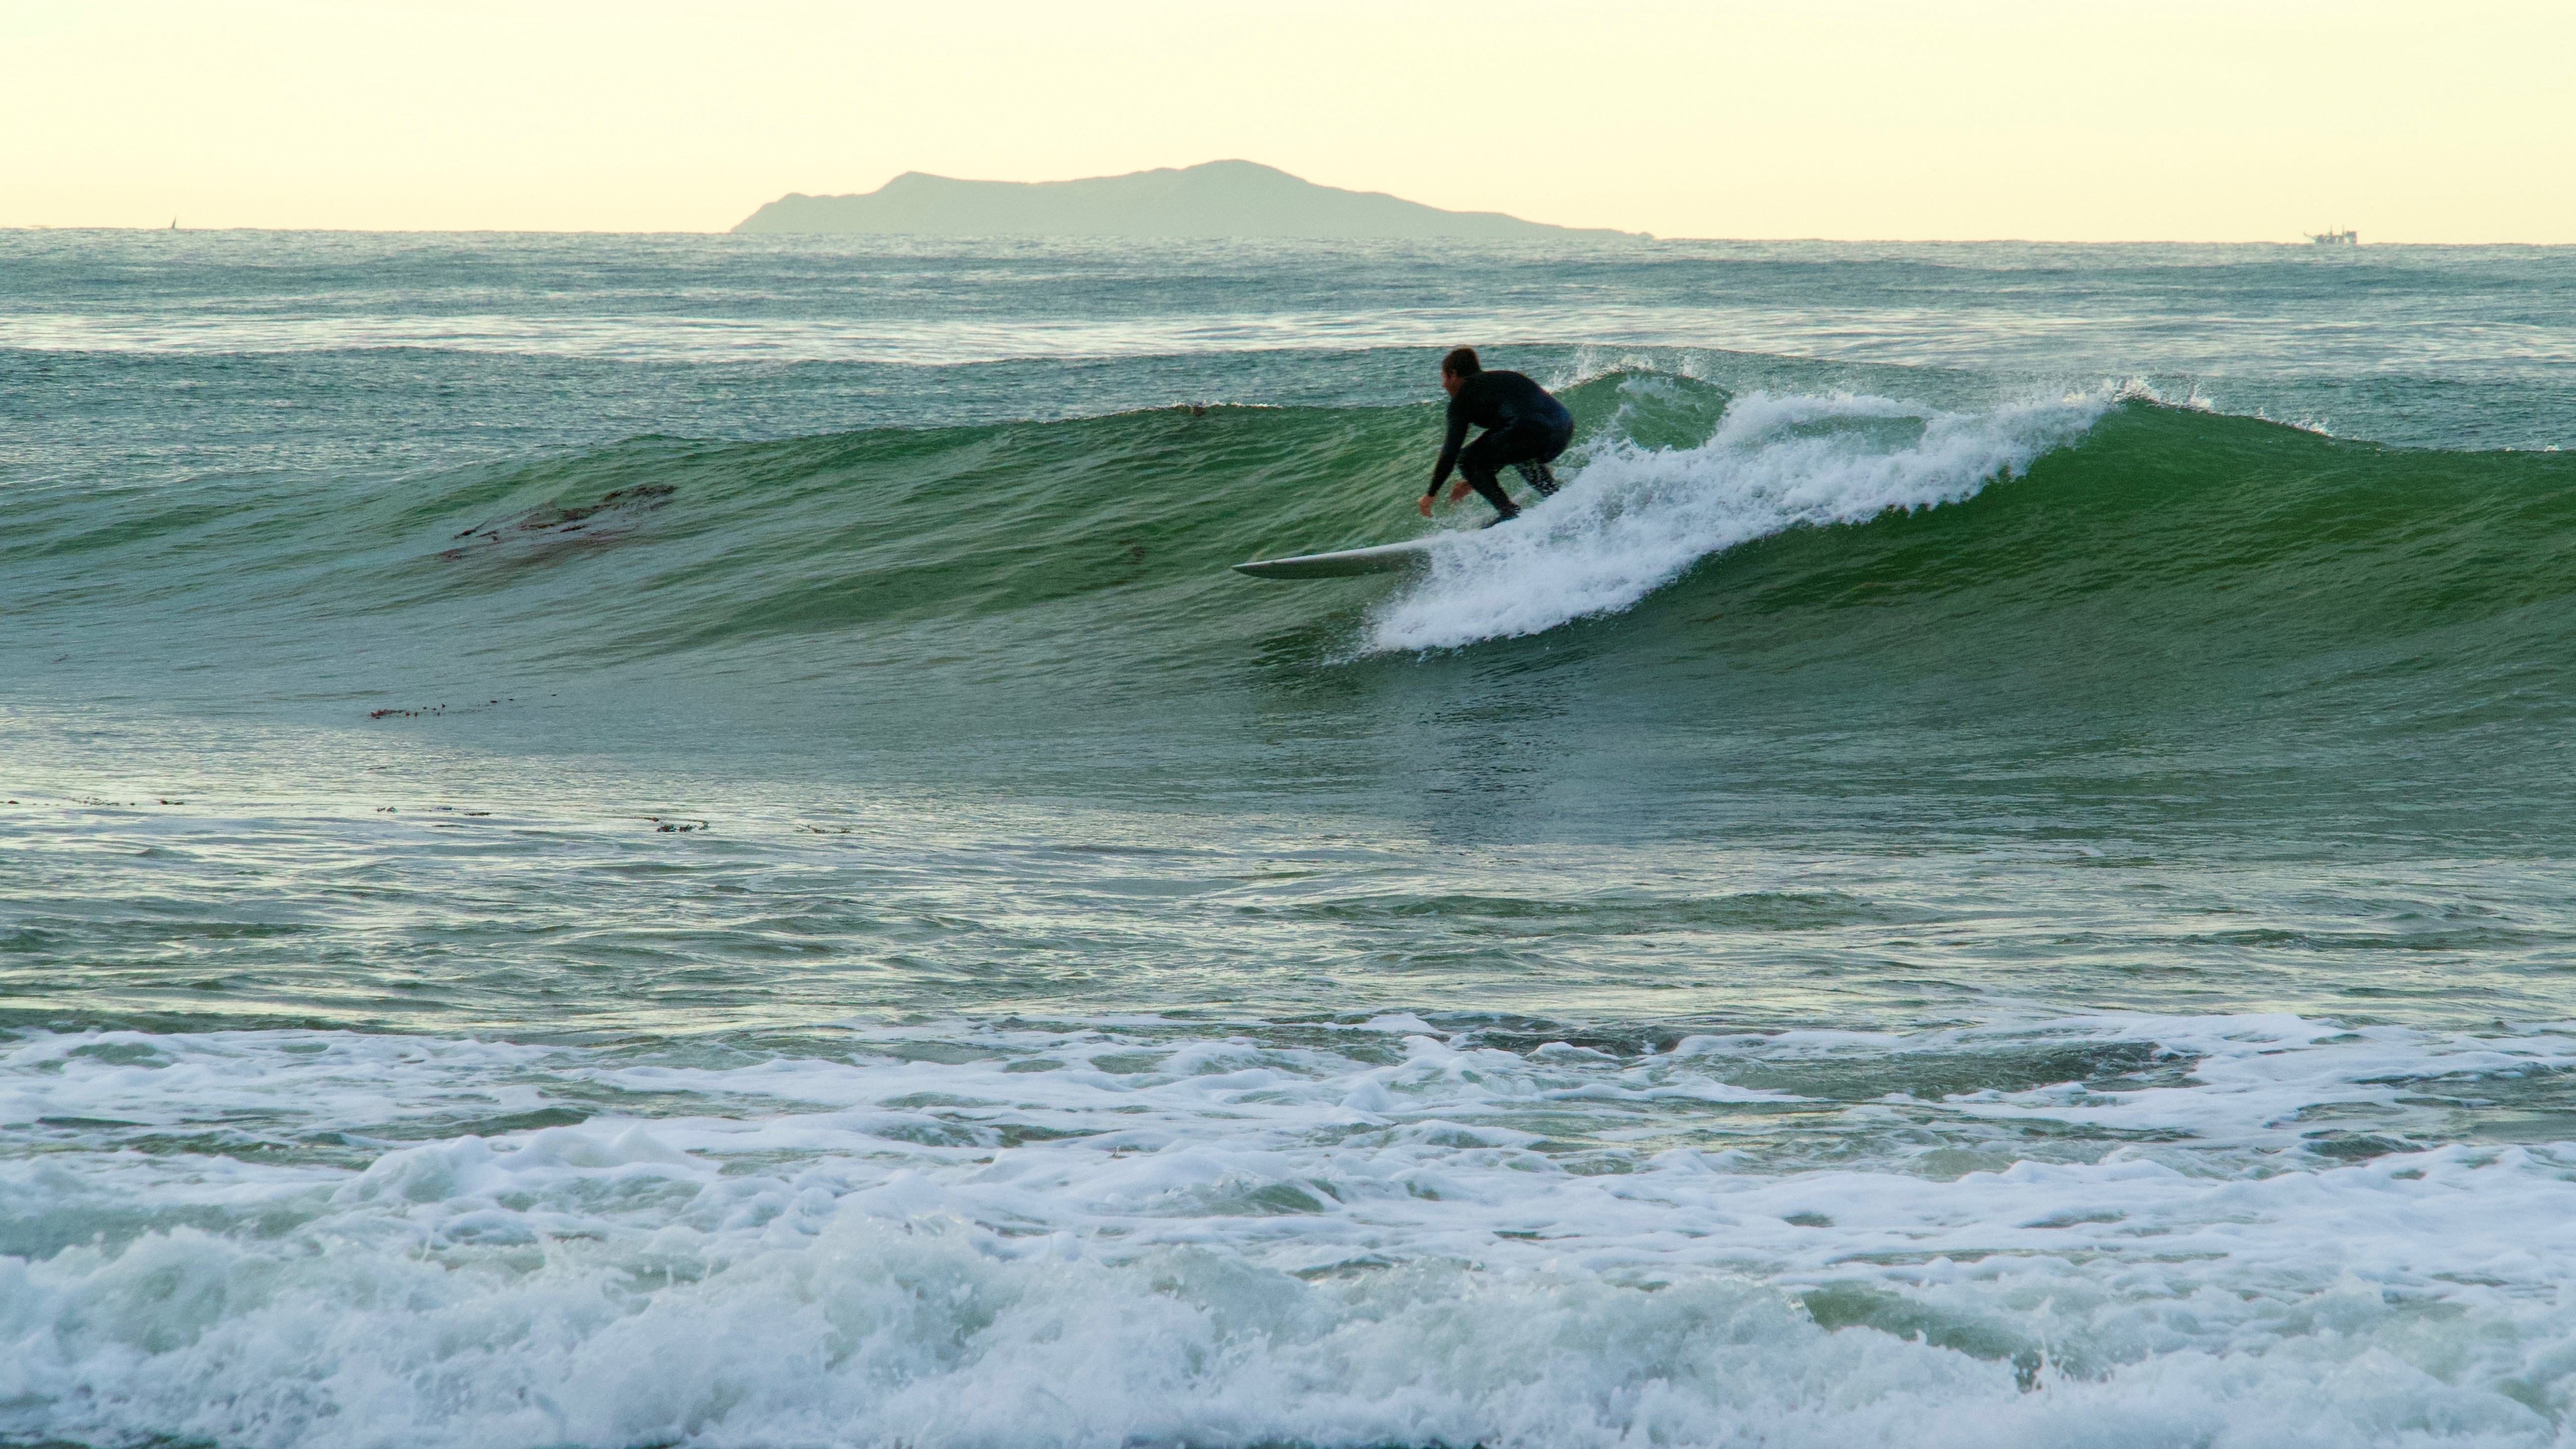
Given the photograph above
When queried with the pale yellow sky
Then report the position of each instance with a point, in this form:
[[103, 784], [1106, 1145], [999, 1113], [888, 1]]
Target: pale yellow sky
[[2184, 120]]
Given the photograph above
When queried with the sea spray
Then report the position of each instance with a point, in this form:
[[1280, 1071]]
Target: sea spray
[[1633, 518]]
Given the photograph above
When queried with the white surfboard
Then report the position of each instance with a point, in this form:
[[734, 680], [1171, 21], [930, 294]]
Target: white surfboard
[[1386, 558]]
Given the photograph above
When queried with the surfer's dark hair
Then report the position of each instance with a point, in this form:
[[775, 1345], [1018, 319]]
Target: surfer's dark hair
[[1461, 362]]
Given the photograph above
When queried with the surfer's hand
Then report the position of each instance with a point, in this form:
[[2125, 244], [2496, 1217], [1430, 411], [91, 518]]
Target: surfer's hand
[[1457, 490], [1426, 505]]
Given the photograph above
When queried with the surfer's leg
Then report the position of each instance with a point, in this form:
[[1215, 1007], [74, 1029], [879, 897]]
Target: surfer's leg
[[1482, 480], [1479, 461], [1528, 449], [1536, 448]]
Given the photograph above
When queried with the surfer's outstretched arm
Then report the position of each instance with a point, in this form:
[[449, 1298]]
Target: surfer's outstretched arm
[[1448, 455]]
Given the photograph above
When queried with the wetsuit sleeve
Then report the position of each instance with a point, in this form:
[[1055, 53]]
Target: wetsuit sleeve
[[1449, 449]]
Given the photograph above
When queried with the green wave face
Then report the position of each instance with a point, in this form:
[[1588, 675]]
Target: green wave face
[[2175, 544], [2056, 575]]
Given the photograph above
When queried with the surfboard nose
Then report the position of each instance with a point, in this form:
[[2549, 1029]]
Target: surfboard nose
[[1386, 558]]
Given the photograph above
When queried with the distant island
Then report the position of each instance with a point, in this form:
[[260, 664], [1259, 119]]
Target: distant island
[[1217, 199]]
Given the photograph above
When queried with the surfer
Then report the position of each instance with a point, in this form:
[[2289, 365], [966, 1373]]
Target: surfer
[[1524, 428]]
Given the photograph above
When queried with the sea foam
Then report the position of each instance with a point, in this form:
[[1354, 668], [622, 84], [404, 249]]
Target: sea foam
[[1380, 1234], [1631, 519]]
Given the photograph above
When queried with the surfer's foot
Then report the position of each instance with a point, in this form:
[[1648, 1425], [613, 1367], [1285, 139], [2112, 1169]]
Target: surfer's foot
[[1500, 518]]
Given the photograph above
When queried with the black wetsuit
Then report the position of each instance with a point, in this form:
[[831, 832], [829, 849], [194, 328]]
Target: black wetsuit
[[1524, 426]]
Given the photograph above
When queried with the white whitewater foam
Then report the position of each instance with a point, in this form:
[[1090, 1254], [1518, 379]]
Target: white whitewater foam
[[972, 1236], [1633, 519]]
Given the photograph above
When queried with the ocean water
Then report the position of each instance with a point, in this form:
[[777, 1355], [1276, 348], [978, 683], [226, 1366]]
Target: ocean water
[[622, 841]]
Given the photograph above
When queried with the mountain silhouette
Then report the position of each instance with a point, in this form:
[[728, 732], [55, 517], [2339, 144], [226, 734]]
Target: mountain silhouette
[[1215, 199]]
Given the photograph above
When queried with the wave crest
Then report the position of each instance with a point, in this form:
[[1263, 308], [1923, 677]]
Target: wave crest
[[1636, 517]]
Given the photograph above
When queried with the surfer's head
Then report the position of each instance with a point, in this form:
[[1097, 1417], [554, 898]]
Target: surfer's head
[[1458, 366]]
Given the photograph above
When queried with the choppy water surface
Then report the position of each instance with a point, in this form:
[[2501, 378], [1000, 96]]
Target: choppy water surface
[[623, 841]]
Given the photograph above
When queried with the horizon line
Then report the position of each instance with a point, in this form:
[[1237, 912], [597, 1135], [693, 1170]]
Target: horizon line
[[1631, 238]]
